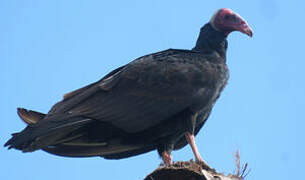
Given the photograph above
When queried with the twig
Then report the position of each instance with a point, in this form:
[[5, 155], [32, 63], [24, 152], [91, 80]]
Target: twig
[[237, 162], [244, 173]]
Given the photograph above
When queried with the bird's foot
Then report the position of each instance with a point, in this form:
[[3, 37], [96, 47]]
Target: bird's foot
[[167, 158]]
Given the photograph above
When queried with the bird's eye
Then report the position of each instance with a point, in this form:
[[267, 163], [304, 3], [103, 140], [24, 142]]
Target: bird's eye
[[227, 17]]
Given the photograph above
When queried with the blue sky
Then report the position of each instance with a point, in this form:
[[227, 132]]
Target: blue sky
[[48, 48]]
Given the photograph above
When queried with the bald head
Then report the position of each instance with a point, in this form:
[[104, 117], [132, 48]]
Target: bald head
[[225, 20]]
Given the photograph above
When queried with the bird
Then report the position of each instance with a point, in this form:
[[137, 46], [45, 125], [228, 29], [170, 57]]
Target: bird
[[158, 101]]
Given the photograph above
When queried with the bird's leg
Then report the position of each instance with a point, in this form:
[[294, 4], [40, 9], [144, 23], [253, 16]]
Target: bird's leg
[[164, 151], [189, 135], [167, 157], [191, 140]]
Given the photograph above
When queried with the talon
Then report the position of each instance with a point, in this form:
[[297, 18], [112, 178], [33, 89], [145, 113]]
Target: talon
[[203, 164], [167, 158]]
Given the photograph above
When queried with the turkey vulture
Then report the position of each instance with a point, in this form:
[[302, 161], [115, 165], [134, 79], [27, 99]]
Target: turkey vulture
[[158, 101]]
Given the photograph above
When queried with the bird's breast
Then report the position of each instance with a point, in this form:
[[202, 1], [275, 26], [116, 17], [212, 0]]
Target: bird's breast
[[214, 78]]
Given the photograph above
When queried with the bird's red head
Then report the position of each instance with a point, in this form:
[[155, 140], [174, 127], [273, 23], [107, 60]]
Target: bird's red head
[[226, 21]]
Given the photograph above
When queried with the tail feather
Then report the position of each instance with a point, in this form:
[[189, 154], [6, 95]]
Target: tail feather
[[9, 142], [44, 133]]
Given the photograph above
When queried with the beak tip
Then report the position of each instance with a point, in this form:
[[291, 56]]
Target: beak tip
[[250, 34]]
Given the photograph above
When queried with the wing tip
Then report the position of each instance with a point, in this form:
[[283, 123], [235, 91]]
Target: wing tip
[[28, 116]]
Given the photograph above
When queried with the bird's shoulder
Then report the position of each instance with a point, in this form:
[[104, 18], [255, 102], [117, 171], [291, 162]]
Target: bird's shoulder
[[168, 56], [173, 58], [176, 66]]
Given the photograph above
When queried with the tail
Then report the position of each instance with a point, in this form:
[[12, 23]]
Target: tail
[[42, 132]]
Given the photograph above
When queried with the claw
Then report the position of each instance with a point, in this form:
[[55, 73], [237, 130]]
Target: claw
[[167, 158]]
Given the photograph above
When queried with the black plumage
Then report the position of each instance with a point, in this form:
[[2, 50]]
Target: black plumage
[[150, 103]]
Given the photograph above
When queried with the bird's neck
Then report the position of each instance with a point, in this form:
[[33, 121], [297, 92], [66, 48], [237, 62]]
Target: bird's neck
[[211, 41]]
